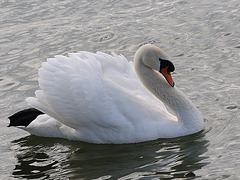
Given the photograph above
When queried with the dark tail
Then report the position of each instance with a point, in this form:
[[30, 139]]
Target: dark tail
[[24, 117]]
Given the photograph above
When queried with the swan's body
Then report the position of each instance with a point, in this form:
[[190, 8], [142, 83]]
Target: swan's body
[[98, 98]]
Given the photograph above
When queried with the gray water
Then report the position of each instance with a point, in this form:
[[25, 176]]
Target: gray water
[[202, 39]]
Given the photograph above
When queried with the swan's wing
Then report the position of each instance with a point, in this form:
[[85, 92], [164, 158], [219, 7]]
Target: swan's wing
[[87, 89]]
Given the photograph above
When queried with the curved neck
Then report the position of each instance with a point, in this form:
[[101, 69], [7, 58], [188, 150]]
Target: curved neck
[[186, 112]]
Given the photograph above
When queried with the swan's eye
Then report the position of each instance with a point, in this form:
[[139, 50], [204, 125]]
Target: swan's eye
[[171, 67], [166, 63]]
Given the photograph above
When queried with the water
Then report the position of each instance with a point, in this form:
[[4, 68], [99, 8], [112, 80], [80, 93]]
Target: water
[[202, 39]]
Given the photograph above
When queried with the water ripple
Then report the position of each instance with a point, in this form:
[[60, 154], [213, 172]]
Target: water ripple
[[41, 157]]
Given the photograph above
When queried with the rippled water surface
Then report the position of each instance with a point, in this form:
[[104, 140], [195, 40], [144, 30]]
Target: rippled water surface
[[202, 39]]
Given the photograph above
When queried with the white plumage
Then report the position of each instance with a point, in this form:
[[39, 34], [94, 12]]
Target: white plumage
[[98, 98]]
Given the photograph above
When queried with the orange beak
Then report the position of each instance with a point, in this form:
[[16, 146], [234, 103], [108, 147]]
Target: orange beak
[[167, 76]]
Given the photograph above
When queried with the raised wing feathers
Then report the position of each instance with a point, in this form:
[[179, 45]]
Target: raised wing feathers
[[80, 89]]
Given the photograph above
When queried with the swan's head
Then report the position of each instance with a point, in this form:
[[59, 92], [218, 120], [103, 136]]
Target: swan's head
[[154, 58]]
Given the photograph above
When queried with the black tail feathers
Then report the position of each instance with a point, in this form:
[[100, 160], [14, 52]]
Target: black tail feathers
[[24, 117]]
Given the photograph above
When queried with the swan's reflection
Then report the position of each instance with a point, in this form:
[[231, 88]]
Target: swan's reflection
[[52, 158]]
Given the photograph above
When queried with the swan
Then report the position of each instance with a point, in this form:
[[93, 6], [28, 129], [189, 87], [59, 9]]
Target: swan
[[103, 98]]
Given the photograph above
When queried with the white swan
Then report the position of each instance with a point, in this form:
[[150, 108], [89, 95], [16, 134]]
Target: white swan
[[97, 98]]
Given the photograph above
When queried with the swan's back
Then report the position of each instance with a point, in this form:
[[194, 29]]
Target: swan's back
[[99, 96]]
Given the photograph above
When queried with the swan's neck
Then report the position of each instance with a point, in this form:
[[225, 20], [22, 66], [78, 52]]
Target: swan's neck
[[188, 115]]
